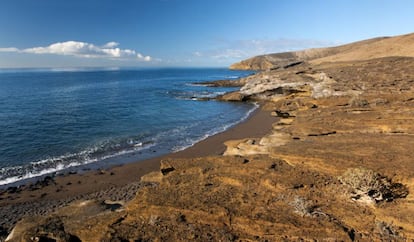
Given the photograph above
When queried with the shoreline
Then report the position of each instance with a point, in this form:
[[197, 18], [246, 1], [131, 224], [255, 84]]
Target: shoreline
[[91, 166], [61, 190], [78, 146], [336, 165]]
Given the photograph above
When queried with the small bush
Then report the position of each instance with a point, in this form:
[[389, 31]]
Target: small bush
[[367, 183], [389, 232], [358, 102], [303, 207]]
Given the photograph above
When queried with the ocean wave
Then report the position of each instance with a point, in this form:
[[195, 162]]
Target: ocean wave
[[232, 77], [32, 174], [69, 120], [101, 152], [194, 95], [176, 138], [197, 85]]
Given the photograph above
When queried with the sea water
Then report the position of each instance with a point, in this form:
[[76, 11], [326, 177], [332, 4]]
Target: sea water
[[53, 120]]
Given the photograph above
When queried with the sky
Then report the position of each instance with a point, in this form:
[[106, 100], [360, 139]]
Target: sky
[[184, 33]]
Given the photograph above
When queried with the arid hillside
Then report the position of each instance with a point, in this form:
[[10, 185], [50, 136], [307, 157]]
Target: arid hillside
[[362, 50]]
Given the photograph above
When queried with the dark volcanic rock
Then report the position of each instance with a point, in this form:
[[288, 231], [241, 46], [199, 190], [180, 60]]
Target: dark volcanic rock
[[222, 83]]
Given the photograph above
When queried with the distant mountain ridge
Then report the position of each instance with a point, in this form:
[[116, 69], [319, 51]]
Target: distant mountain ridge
[[402, 45]]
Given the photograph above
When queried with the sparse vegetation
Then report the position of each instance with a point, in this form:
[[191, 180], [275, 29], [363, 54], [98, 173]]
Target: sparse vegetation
[[365, 183], [389, 232], [358, 102], [303, 207]]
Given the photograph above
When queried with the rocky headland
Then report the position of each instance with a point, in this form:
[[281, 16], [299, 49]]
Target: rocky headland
[[337, 164]]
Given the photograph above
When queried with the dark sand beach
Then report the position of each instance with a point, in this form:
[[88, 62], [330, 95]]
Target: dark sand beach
[[116, 183]]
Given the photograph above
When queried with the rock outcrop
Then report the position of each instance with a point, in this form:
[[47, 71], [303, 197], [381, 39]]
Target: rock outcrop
[[336, 166], [222, 83]]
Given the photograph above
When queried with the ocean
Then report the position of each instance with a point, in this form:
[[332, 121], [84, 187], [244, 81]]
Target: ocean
[[56, 120]]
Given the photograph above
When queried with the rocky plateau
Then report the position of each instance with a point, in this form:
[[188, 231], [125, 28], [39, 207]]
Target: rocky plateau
[[338, 164]]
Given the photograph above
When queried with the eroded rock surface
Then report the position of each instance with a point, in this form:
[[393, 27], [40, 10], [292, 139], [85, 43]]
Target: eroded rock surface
[[338, 165]]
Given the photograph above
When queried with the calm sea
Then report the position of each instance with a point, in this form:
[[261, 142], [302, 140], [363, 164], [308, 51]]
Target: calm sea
[[52, 120]]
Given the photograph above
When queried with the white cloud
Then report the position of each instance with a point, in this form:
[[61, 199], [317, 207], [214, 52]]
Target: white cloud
[[197, 53], [267, 46], [9, 49], [84, 50], [111, 44], [229, 54]]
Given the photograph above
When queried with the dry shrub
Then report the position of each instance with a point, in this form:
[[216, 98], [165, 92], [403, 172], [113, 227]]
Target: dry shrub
[[389, 232], [303, 207], [367, 183], [358, 102]]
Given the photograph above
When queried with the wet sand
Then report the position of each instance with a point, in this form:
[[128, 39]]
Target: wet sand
[[116, 183]]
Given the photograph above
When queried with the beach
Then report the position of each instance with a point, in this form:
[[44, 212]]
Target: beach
[[76, 120], [115, 183], [326, 156]]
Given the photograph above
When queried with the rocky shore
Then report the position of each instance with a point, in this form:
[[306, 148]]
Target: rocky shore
[[118, 184], [330, 158]]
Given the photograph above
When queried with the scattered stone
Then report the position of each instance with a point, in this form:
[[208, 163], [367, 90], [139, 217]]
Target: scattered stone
[[298, 186], [101, 172], [251, 142], [323, 133], [12, 190], [166, 167], [167, 170], [3, 232], [48, 180], [181, 218], [281, 114], [113, 205]]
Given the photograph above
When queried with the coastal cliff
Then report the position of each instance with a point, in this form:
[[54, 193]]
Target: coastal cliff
[[337, 164]]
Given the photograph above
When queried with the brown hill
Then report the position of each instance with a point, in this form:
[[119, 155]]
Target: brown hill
[[402, 45]]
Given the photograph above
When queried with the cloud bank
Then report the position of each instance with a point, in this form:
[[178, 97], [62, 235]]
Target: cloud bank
[[84, 50]]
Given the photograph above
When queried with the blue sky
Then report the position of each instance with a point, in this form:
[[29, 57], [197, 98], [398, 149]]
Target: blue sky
[[77, 33]]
